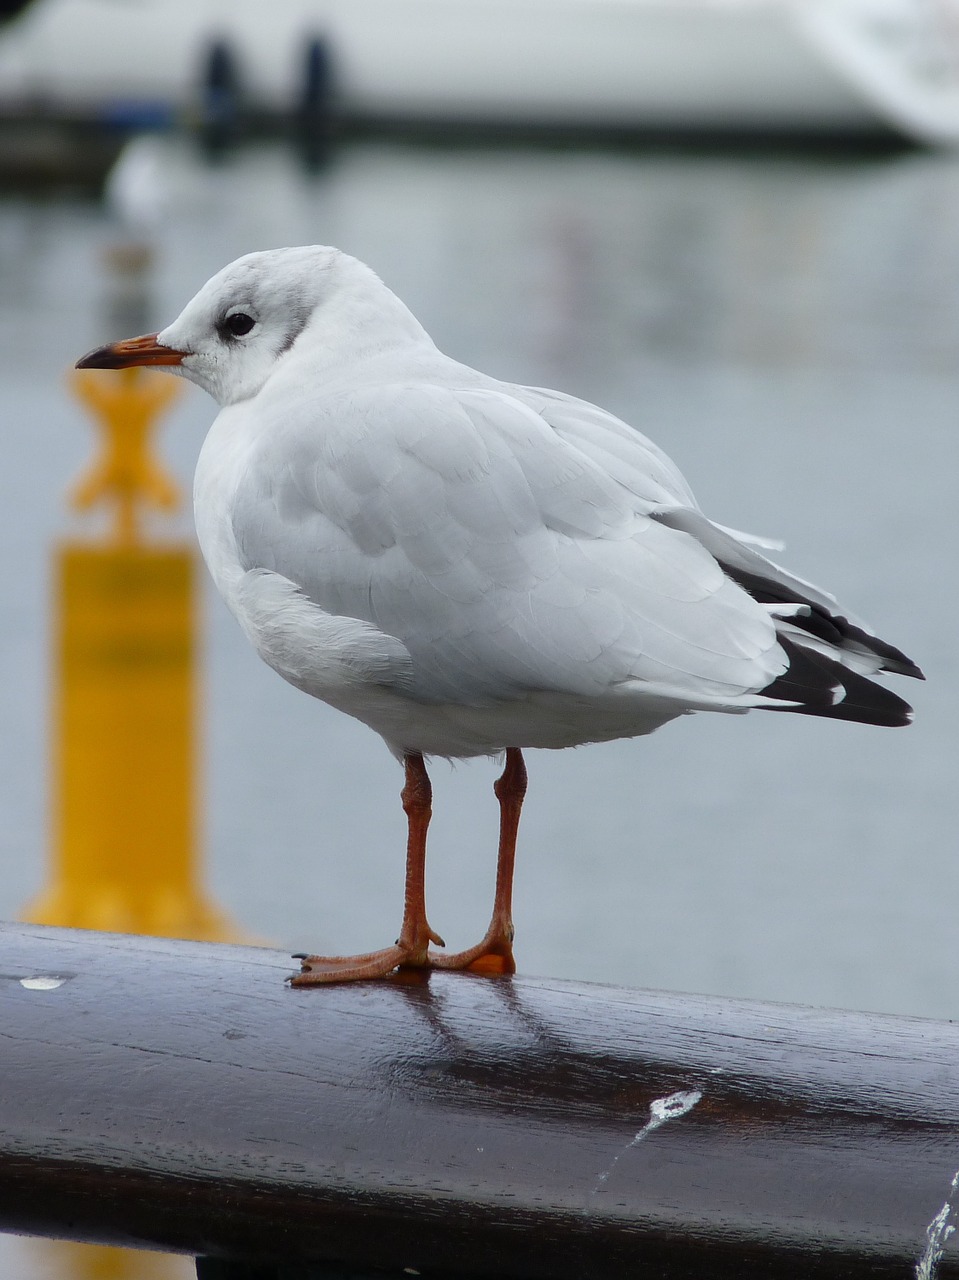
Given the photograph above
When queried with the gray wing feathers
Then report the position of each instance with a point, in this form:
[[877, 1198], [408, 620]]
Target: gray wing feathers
[[504, 554], [729, 548], [622, 453]]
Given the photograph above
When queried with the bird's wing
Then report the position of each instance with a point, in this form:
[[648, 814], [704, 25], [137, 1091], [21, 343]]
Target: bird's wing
[[619, 450], [501, 555], [645, 471]]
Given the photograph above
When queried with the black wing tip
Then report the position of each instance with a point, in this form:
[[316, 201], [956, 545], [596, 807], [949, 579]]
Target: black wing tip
[[888, 720], [832, 628], [893, 660], [819, 686]]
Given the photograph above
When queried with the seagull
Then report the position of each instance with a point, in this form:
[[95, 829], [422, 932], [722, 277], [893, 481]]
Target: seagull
[[468, 566]]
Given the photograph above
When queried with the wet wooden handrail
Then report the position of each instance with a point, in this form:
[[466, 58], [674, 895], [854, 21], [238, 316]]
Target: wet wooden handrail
[[176, 1095]]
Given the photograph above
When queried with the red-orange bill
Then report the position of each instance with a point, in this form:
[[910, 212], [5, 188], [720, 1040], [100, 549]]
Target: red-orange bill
[[131, 351]]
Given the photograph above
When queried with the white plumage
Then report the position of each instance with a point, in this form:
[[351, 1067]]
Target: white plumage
[[466, 565]]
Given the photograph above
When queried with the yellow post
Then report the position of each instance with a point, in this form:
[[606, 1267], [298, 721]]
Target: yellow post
[[124, 839]]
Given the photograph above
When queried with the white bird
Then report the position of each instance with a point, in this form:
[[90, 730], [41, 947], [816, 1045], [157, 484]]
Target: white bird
[[469, 566]]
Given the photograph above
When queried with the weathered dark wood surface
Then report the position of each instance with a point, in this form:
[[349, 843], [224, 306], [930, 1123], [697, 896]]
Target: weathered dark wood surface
[[179, 1096]]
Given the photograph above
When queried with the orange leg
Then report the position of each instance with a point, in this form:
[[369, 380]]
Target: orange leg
[[494, 955], [411, 947]]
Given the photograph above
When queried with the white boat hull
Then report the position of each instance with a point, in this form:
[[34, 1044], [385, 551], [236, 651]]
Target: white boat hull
[[798, 65]]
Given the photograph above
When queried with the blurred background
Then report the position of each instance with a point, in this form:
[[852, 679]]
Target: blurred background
[[733, 223]]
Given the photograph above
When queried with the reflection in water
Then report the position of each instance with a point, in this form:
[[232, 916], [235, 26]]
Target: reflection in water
[[787, 328]]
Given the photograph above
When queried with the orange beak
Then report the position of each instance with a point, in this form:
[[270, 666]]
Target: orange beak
[[131, 351]]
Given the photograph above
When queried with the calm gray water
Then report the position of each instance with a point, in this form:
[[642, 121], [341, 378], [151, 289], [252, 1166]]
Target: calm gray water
[[788, 329]]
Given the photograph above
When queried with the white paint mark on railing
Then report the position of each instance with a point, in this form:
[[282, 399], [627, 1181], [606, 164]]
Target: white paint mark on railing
[[937, 1233], [661, 1110], [43, 982]]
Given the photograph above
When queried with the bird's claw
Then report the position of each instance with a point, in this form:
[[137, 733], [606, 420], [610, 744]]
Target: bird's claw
[[493, 957], [318, 971]]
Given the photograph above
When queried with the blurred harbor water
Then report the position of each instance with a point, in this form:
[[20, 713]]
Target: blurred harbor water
[[787, 328]]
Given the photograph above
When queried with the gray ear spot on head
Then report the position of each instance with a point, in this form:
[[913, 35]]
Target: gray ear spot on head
[[299, 318]]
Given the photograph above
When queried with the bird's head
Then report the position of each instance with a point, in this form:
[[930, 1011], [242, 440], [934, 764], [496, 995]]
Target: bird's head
[[229, 338]]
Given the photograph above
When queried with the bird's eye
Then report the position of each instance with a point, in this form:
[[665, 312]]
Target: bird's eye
[[238, 323]]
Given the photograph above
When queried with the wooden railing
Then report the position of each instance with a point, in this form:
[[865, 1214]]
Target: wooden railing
[[179, 1096]]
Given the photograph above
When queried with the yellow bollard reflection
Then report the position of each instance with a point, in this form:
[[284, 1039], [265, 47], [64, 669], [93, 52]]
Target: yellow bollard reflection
[[124, 841], [63, 1260]]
